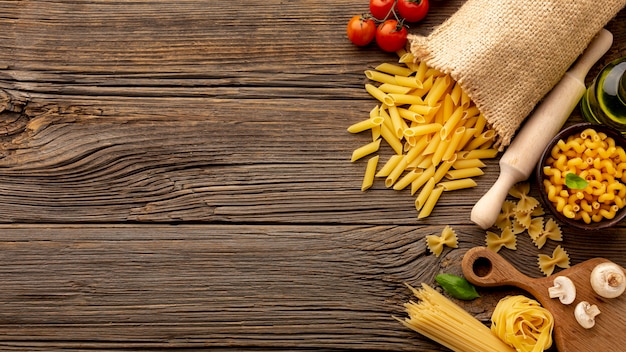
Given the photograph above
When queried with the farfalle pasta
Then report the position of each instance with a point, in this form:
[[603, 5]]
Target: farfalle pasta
[[559, 258], [523, 324], [526, 214], [506, 215], [551, 230], [521, 191], [506, 239], [447, 238]]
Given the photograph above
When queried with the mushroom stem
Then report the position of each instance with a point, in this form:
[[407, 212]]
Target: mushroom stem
[[563, 289], [585, 314]]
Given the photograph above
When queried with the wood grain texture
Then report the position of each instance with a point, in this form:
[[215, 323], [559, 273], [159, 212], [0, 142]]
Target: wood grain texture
[[176, 175]]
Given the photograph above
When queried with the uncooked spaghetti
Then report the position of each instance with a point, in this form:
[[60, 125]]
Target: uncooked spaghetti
[[446, 323]]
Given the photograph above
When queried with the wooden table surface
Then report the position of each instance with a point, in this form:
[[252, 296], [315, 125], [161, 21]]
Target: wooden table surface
[[176, 175]]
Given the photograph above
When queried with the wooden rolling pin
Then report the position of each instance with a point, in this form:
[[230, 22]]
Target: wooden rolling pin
[[521, 157]]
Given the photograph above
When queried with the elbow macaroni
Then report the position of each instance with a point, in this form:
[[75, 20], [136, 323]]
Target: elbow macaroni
[[595, 157]]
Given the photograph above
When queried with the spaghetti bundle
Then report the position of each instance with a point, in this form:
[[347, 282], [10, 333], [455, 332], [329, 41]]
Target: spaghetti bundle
[[444, 322]]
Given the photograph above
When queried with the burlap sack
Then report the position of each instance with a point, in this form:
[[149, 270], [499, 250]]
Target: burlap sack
[[507, 54]]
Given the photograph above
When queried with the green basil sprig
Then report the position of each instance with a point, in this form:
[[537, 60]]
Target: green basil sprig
[[457, 287], [574, 181]]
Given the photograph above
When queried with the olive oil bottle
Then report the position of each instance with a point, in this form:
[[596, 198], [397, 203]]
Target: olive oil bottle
[[604, 102]]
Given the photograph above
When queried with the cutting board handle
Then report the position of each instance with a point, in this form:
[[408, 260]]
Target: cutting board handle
[[484, 267]]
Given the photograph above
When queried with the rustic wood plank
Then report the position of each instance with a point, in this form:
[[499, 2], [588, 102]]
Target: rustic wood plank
[[180, 154], [176, 175], [125, 286]]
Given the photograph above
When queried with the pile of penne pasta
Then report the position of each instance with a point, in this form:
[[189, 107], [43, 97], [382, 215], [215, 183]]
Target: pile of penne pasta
[[437, 133]]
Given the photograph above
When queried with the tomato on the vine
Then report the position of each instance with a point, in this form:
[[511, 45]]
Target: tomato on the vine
[[391, 36], [361, 30], [380, 9], [412, 10]]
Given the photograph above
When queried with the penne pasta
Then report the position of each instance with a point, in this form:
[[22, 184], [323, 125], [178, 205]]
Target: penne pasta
[[467, 163], [397, 122], [409, 81], [481, 154], [411, 115], [402, 99], [390, 137], [457, 184], [424, 193], [451, 123], [436, 132], [380, 77], [454, 143], [394, 88], [464, 173], [443, 168], [394, 69], [440, 86], [406, 57], [455, 94], [370, 170], [422, 129], [365, 150], [481, 139], [421, 180], [396, 172], [376, 92], [429, 205], [366, 124], [391, 164], [407, 179]]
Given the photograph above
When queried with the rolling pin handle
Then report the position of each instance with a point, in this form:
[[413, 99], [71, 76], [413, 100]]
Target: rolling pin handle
[[597, 48], [485, 212], [520, 158]]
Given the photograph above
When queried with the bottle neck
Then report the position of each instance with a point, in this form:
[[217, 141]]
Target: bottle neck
[[621, 89]]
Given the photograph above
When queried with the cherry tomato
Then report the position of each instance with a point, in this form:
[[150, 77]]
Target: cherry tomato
[[380, 9], [391, 36], [361, 30], [413, 10]]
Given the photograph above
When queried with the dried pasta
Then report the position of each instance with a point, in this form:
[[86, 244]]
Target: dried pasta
[[523, 324], [365, 150], [506, 239], [445, 322], [370, 170], [511, 222], [431, 125], [429, 205], [447, 238], [551, 230], [559, 258], [506, 215], [458, 184], [521, 191], [596, 158]]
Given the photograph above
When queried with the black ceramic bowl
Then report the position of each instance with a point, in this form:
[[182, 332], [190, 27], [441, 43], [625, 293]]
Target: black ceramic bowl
[[539, 174]]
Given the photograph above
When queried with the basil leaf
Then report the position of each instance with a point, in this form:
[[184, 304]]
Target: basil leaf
[[574, 181], [457, 286]]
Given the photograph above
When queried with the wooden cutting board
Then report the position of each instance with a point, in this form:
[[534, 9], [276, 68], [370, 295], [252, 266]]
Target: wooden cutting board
[[483, 267]]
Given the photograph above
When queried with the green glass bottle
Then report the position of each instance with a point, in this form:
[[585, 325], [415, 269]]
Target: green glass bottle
[[604, 102]]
